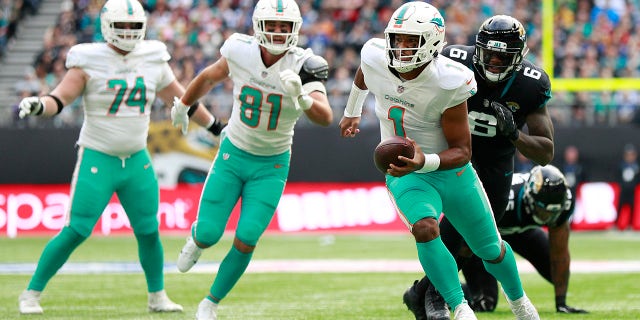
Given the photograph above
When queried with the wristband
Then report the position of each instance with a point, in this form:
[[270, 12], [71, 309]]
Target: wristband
[[305, 101], [355, 102], [431, 163], [192, 108], [58, 104]]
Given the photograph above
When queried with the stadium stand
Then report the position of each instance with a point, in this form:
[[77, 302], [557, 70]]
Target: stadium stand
[[593, 39]]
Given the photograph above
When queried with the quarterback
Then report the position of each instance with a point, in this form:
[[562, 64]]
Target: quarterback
[[512, 93], [422, 95], [275, 83], [118, 81]]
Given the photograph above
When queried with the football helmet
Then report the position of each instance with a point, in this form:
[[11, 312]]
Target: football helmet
[[501, 44], [415, 18], [545, 193], [116, 12], [276, 10]]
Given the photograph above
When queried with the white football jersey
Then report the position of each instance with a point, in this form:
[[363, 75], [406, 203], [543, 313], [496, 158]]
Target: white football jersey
[[263, 116], [118, 96], [413, 108]]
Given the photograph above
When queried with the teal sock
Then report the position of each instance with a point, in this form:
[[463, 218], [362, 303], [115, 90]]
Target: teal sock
[[54, 256], [231, 269], [441, 269], [507, 273], [151, 257]]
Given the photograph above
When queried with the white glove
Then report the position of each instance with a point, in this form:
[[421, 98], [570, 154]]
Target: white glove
[[30, 106], [291, 83], [179, 116]]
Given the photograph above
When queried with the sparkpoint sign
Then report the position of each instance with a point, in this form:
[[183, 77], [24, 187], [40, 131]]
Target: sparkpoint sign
[[304, 207]]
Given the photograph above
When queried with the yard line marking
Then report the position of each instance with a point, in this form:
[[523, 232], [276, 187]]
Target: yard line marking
[[315, 266]]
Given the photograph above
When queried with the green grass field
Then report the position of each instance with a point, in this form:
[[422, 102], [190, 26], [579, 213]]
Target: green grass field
[[303, 295]]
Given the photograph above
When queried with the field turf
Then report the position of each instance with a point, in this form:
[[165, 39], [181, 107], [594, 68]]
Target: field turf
[[301, 295]]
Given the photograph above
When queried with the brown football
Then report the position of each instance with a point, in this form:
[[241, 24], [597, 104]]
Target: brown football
[[389, 149]]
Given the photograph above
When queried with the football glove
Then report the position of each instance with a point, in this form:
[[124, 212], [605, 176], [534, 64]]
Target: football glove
[[506, 124], [30, 106], [563, 308], [179, 116], [291, 83]]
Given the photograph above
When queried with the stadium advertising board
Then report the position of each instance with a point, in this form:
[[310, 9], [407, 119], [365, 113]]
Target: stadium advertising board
[[304, 207]]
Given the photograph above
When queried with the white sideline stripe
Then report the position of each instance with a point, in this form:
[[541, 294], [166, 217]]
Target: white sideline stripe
[[303, 266]]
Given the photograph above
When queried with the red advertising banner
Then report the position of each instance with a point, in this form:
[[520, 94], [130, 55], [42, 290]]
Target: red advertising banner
[[304, 207]]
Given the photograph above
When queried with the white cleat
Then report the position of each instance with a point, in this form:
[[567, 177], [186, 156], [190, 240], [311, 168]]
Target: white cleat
[[523, 308], [189, 255], [29, 302], [207, 310], [160, 302], [464, 312]]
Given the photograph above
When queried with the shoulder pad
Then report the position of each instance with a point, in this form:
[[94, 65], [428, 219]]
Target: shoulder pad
[[460, 53], [316, 68], [452, 73], [373, 53], [83, 54], [153, 51]]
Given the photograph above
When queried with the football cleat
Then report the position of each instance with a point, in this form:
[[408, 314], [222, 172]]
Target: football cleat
[[189, 255], [29, 302], [523, 308], [464, 312], [414, 302], [160, 302], [207, 310], [434, 305]]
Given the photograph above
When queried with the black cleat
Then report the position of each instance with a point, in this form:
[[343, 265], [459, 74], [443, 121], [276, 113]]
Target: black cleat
[[434, 305], [413, 300]]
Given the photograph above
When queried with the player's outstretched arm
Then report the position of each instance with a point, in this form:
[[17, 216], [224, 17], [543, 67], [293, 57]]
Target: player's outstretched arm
[[560, 263], [65, 92], [185, 103], [351, 119]]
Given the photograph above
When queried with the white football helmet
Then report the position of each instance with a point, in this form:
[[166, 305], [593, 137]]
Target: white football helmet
[[415, 18], [119, 11], [276, 10]]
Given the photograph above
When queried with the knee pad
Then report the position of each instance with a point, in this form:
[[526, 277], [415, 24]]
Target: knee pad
[[249, 234], [492, 253], [72, 236], [207, 233]]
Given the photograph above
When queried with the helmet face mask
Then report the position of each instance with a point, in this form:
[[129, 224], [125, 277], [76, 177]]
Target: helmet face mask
[[123, 23], [419, 25], [501, 45], [270, 13], [545, 193]]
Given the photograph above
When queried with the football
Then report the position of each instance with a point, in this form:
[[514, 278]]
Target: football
[[389, 149]]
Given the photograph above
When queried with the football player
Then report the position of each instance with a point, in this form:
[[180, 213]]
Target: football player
[[512, 93], [275, 83], [540, 198], [422, 95], [118, 80]]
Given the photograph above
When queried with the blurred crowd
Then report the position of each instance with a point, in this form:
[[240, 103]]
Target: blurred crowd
[[11, 12], [592, 39]]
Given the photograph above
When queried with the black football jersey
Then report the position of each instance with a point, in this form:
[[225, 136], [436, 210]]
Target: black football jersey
[[526, 91], [516, 219]]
